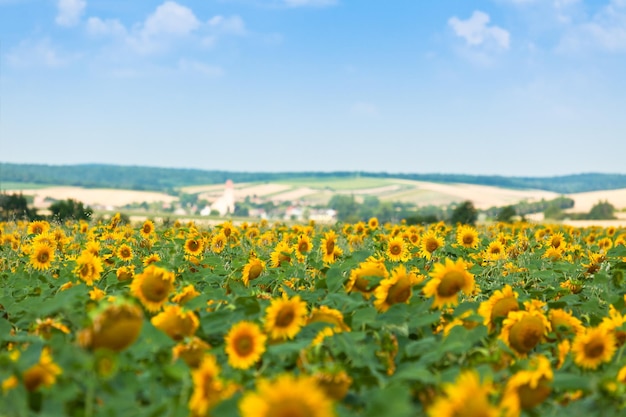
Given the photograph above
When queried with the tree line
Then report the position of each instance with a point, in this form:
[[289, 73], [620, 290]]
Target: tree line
[[168, 179]]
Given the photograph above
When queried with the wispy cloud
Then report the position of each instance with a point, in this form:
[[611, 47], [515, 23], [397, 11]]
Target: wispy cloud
[[605, 30], [36, 54], [200, 68], [476, 30], [69, 12]]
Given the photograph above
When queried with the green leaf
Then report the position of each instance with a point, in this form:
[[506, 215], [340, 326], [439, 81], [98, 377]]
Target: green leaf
[[568, 381], [394, 400]]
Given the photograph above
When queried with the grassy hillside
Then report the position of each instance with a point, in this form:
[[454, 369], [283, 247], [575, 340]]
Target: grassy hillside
[[169, 179]]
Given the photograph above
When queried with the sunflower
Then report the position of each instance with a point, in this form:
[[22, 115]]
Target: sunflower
[[208, 388], [523, 330], [372, 223], [467, 236], [429, 243], [45, 327], [466, 397], [281, 254], [553, 254], [152, 287], [285, 317], [303, 247], [38, 227], [564, 323], [287, 395], [176, 322], [330, 250], [396, 289], [194, 246], [115, 327], [43, 373], [147, 229], [125, 252], [498, 306], [397, 250], [593, 347], [188, 293], [367, 277], [253, 269], [245, 343], [151, 259], [88, 267], [192, 351], [124, 273], [328, 315], [447, 281], [218, 243], [528, 388], [335, 383], [495, 251], [41, 256]]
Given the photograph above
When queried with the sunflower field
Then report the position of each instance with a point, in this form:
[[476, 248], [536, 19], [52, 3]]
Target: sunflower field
[[276, 320]]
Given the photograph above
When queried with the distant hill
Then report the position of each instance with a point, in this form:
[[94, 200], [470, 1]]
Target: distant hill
[[170, 179]]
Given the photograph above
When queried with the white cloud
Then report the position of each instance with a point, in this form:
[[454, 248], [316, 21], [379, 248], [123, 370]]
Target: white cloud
[[606, 30], [200, 68], [32, 54], [476, 30], [108, 27], [309, 3], [170, 18], [233, 25], [69, 12]]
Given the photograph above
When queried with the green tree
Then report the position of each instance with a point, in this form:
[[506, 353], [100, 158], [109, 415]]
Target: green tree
[[602, 210], [70, 209], [464, 213], [15, 207], [505, 215]]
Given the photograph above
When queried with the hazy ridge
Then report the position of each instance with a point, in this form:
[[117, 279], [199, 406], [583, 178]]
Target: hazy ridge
[[168, 179]]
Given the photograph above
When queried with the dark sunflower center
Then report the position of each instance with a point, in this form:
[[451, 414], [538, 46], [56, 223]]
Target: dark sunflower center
[[43, 257], [468, 239], [503, 307], [432, 245], [285, 317], [155, 289], [244, 345], [451, 283], [255, 271], [395, 249], [594, 349], [526, 333], [330, 246]]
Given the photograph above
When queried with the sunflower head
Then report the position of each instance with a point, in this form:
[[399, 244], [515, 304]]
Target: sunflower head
[[285, 317], [114, 327], [447, 281], [523, 330], [287, 395], [152, 287], [245, 343], [367, 277], [593, 347], [396, 289], [176, 322]]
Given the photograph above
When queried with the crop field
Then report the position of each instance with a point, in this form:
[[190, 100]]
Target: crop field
[[363, 319]]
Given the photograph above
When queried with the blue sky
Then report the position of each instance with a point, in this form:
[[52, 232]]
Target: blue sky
[[504, 87]]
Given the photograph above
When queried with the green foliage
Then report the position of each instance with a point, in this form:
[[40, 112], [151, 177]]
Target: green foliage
[[602, 210], [70, 209], [464, 213], [15, 207], [506, 214], [168, 179]]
